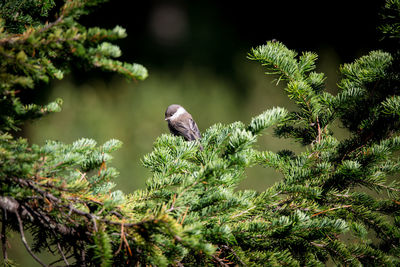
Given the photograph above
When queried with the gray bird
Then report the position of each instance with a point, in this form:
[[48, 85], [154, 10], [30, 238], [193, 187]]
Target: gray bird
[[181, 123]]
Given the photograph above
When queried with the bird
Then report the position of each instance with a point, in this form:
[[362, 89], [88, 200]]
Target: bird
[[181, 123]]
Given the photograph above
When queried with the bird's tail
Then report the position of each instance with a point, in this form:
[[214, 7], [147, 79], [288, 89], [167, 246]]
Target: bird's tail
[[200, 146]]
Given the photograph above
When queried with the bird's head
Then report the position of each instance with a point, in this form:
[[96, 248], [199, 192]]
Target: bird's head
[[173, 112]]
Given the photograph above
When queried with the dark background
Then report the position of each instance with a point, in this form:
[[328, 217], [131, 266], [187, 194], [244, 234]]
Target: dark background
[[167, 34]]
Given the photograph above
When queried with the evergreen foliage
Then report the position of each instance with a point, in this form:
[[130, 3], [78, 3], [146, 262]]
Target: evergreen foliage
[[190, 212]]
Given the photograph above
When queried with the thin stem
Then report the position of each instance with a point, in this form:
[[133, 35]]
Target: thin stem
[[220, 261], [58, 260], [241, 263], [243, 212], [3, 235], [325, 211], [62, 254], [21, 231]]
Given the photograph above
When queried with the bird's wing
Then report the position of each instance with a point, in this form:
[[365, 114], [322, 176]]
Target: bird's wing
[[194, 129], [187, 128], [174, 128]]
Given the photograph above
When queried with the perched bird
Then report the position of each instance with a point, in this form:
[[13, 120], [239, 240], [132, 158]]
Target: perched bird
[[181, 123]]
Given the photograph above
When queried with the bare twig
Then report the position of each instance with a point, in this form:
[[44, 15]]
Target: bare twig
[[277, 193], [21, 231], [243, 212], [83, 257], [319, 131], [94, 223], [127, 245], [220, 261], [49, 25], [318, 245], [184, 215], [241, 263], [172, 204], [58, 260], [62, 254], [325, 211], [120, 245], [3, 235], [388, 187]]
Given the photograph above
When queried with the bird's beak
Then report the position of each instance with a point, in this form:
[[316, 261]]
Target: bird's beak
[[167, 118]]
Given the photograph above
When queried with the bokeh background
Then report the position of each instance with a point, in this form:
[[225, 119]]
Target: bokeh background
[[195, 52]]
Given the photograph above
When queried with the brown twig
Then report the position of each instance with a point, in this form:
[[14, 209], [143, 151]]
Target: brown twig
[[3, 235], [184, 215], [21, 231], [120, 245], [325, 211], [220, 261], [62, 254], [388, 187], [49, 25], [243, 212], [172, 204], [318, 245], [127, 244], [319, 131], [241, 263]]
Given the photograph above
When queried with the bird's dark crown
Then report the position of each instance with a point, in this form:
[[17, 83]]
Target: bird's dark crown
[[171, 110]]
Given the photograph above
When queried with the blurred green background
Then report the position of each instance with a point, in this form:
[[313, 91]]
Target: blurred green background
[[195, 52], [133, 112]]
